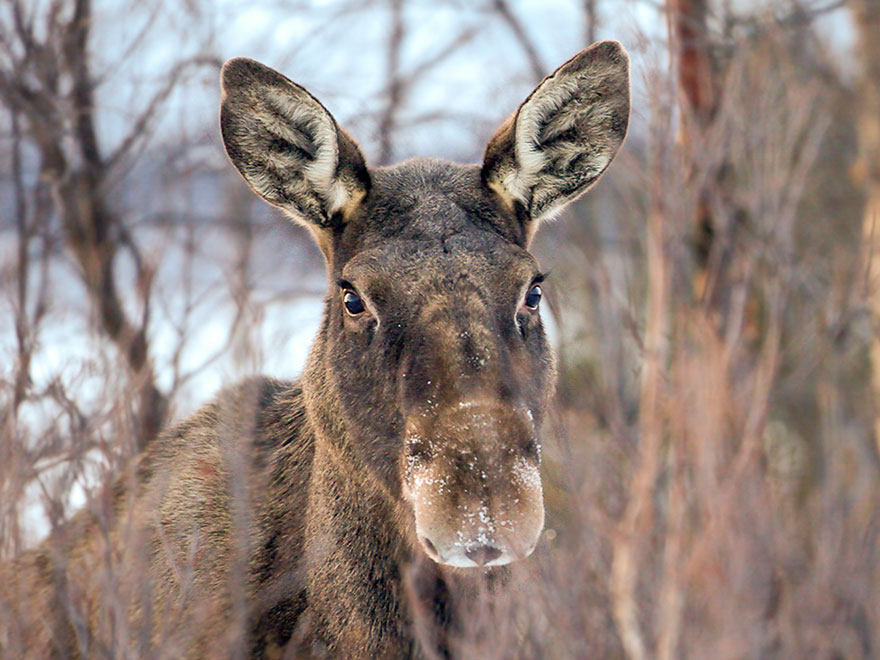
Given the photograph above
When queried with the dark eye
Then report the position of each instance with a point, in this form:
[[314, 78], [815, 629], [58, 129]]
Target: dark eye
[[353, 303], [533, 297]]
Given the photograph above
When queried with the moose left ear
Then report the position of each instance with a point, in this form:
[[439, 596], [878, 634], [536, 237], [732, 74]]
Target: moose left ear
[[564, 136], [288, 147]]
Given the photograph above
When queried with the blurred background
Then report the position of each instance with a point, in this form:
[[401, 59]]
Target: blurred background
[[711, 471]]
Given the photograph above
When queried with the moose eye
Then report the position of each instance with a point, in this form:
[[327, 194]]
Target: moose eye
[[533, 297], [353, 303]]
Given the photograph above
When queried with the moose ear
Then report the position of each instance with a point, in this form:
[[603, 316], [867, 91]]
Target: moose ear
[[564, 136], [287, 146]]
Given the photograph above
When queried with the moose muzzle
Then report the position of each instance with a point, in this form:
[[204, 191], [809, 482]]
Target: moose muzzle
[[472, 475]]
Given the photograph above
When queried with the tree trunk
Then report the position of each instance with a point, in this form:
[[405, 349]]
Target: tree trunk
[[867, 20], [698, 102]]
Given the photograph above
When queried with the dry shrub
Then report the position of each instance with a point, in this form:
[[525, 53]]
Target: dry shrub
[[716, 496]]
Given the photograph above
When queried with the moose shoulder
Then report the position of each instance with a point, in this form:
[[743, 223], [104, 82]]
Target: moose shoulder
[[281, 518]]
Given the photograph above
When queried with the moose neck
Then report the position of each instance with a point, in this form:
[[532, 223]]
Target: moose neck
[[338, 434], [356, 545]]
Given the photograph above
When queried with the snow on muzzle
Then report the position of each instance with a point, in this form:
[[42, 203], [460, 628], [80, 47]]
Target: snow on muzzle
[[472, 475]]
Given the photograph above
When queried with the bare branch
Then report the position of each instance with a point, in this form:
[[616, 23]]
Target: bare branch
[[503, 9], [140, 127], [395, 85], [590, 21]]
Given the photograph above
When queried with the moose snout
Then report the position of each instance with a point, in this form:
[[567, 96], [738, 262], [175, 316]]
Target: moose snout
[[468, 536], [472, 477]]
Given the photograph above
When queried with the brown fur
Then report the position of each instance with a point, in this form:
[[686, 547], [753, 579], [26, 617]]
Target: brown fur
[[303, 518]]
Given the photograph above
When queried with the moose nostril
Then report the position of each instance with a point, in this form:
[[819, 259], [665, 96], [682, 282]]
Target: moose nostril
[[532, 449], [418, 450], [482, 554], [430, 546]]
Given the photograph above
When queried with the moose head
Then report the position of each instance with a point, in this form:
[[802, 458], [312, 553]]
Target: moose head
[[431, 371]]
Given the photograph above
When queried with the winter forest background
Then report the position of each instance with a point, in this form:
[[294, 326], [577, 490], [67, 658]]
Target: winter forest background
[[711, 470]]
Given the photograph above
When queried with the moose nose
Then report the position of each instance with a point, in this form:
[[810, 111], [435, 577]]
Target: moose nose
[[482, 554]]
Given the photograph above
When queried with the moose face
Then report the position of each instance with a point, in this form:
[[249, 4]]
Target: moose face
[[432, 341], [438, 327]]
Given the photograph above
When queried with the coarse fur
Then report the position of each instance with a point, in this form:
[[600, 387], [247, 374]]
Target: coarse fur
[[318, 518]]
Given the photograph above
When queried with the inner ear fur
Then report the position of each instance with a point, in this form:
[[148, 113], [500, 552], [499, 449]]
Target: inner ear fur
[[564, 136], [288, 147]]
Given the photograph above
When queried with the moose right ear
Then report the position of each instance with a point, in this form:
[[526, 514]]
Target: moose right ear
[[564, 135], [288, 147]]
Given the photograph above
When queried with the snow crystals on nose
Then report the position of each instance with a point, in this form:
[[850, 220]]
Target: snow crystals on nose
[[526, 474], [478, 528]]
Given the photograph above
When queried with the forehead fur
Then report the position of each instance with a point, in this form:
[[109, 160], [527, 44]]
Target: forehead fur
[[432, 221], [428, 199]]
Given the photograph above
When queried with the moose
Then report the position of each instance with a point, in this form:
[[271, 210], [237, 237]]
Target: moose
[[281, 518]]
